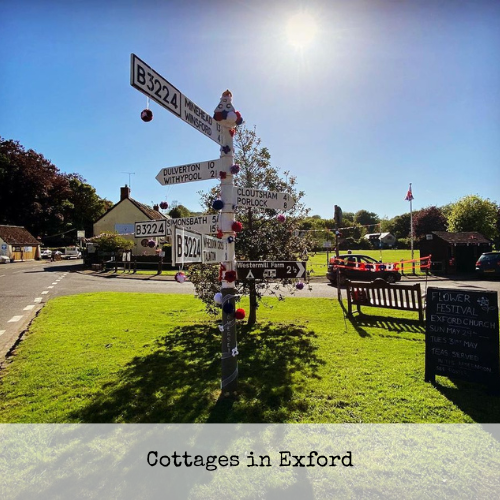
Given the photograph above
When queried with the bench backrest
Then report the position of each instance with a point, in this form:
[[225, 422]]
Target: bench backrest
[[383, 294]]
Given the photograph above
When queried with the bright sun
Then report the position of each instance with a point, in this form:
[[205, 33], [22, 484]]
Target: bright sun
[[301, 30]]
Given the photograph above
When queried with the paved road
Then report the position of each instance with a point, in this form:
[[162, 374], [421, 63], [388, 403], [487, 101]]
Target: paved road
[[26, 286]]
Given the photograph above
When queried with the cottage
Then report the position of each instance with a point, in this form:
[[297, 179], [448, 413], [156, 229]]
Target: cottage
[[381, 240], [122, 216], [454, 252], [16, 243]]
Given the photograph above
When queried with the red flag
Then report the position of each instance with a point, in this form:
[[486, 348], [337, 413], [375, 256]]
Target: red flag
[[409, 195]]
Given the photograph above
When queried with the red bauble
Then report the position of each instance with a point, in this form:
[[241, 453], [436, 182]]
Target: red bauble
[[146, 115], [239, 313], [230, 276], [163, 205], [237, 226]]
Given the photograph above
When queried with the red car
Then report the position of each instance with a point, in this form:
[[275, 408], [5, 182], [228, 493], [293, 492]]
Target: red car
[[357, 267]]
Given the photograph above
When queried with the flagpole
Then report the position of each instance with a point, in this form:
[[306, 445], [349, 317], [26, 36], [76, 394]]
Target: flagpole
[[411, 223]]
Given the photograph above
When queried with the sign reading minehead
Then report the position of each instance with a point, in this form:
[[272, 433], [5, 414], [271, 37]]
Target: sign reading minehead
[[461, 339]]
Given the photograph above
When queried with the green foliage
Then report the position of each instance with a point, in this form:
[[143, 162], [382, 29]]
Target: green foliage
[[399, 226], [112, 242], [35, 194], [427, 220], [263, 237], [473, 213], [365, 218], [179, 211]]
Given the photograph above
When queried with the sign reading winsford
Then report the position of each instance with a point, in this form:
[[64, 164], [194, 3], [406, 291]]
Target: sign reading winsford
[[149, 82], [461, 339]]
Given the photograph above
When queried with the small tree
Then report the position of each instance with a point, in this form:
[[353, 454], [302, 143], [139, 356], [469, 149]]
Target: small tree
[[473, 213], [264, 236], [112, 242]]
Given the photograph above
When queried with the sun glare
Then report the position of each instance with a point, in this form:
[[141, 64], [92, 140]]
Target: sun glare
[[301, 30]]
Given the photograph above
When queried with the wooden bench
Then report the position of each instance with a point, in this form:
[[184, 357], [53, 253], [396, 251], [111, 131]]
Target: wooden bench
[[379, 293]]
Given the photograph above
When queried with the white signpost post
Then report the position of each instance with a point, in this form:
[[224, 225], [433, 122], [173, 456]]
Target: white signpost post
[[189, 246]]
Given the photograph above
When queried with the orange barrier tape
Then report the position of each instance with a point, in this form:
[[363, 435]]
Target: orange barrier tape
[[423, 263]]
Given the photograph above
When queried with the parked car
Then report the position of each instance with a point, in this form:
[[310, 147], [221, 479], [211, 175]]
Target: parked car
[[357, 267], [488, 264], [71, 253], [46, 253]]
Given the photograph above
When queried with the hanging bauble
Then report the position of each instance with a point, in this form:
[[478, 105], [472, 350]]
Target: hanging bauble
[[230, 239], [239, 119], [234, 169], [232, 131], [220, 234], [218, 204], [225, 149], [151, 243], [222, 174], [180, 277], [144, 242], [236, 226], [239, 313], [299, 285], [281, 218], [230, 276], [228, 308], [218, 298], [146, 115], [163, 205]]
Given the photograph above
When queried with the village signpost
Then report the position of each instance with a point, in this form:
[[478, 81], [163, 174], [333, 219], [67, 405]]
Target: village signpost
[[190, 246]]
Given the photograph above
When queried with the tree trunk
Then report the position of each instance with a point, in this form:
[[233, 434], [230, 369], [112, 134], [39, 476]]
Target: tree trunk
[[252, 315]]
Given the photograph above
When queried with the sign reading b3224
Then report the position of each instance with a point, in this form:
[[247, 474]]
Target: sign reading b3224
[[150, 228]]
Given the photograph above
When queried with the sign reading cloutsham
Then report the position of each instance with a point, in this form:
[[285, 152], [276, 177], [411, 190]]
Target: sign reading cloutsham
[[461, 339]]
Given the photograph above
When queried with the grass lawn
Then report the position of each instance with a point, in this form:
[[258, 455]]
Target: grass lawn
[[113, 357]]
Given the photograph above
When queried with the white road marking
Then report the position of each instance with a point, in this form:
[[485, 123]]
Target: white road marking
[[55, 283], [50, 287], [2, 332], [29, 308], [2, 275], [38, 300], [14, 319], [45, 292]]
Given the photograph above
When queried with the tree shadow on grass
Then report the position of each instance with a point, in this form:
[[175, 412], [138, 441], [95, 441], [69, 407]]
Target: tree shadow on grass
[[398, 325], [476, 400], [179, 381]]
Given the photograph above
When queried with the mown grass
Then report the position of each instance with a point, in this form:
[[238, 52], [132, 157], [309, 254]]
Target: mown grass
[[112, 357]]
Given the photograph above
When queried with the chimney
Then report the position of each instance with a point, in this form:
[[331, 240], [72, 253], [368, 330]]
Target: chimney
[[156, 207], [124, 192]]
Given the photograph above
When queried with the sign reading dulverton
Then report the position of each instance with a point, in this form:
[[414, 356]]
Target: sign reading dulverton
[[461, 339]]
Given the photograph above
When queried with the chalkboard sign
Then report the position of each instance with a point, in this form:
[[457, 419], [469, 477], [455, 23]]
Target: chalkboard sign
[[461, 338]]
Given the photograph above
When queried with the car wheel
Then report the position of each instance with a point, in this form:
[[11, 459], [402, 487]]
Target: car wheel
[[390, 278]]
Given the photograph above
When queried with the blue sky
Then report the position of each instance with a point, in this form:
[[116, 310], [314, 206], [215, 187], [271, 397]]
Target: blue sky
[[387, 93]]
